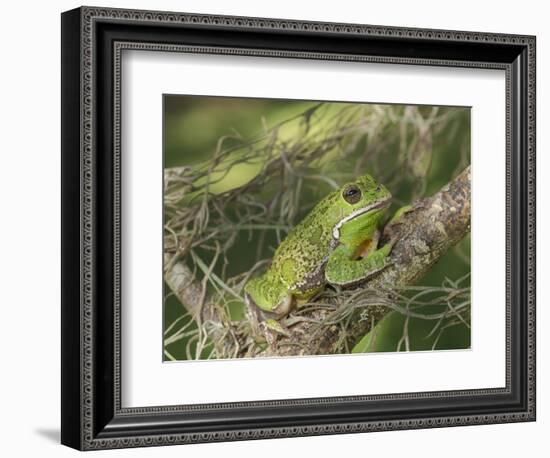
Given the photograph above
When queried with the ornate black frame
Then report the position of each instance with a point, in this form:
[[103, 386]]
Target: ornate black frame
[[92, 42]]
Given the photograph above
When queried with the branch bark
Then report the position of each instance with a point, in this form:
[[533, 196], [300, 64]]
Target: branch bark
[[423, 235]]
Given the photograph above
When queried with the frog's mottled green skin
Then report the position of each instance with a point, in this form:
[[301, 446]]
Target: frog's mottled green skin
[[335, 243]]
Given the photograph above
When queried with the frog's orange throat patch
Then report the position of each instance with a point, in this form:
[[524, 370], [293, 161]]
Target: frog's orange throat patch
[[365, 248]]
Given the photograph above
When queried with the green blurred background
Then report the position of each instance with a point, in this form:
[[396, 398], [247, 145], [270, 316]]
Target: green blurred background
[[193, 126]]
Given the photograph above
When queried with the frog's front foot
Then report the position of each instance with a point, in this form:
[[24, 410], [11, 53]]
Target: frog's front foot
[[397, 218], [392, 230]]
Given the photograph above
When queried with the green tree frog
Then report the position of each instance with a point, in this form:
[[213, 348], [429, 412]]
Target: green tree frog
[[336, 243]]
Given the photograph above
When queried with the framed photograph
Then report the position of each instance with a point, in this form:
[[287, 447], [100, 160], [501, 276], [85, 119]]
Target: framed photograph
[[277, 228]]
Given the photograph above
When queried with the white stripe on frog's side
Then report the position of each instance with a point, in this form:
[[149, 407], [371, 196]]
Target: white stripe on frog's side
[[355, 214]]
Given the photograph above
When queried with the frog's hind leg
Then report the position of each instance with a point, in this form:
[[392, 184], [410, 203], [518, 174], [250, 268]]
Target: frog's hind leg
[[285, 305], [343, 268], [275, 302]]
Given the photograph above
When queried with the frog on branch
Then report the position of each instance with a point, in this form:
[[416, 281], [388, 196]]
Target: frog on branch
[[336, 244]]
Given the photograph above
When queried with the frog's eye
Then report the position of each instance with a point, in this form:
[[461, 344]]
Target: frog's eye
[[351, 194]]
